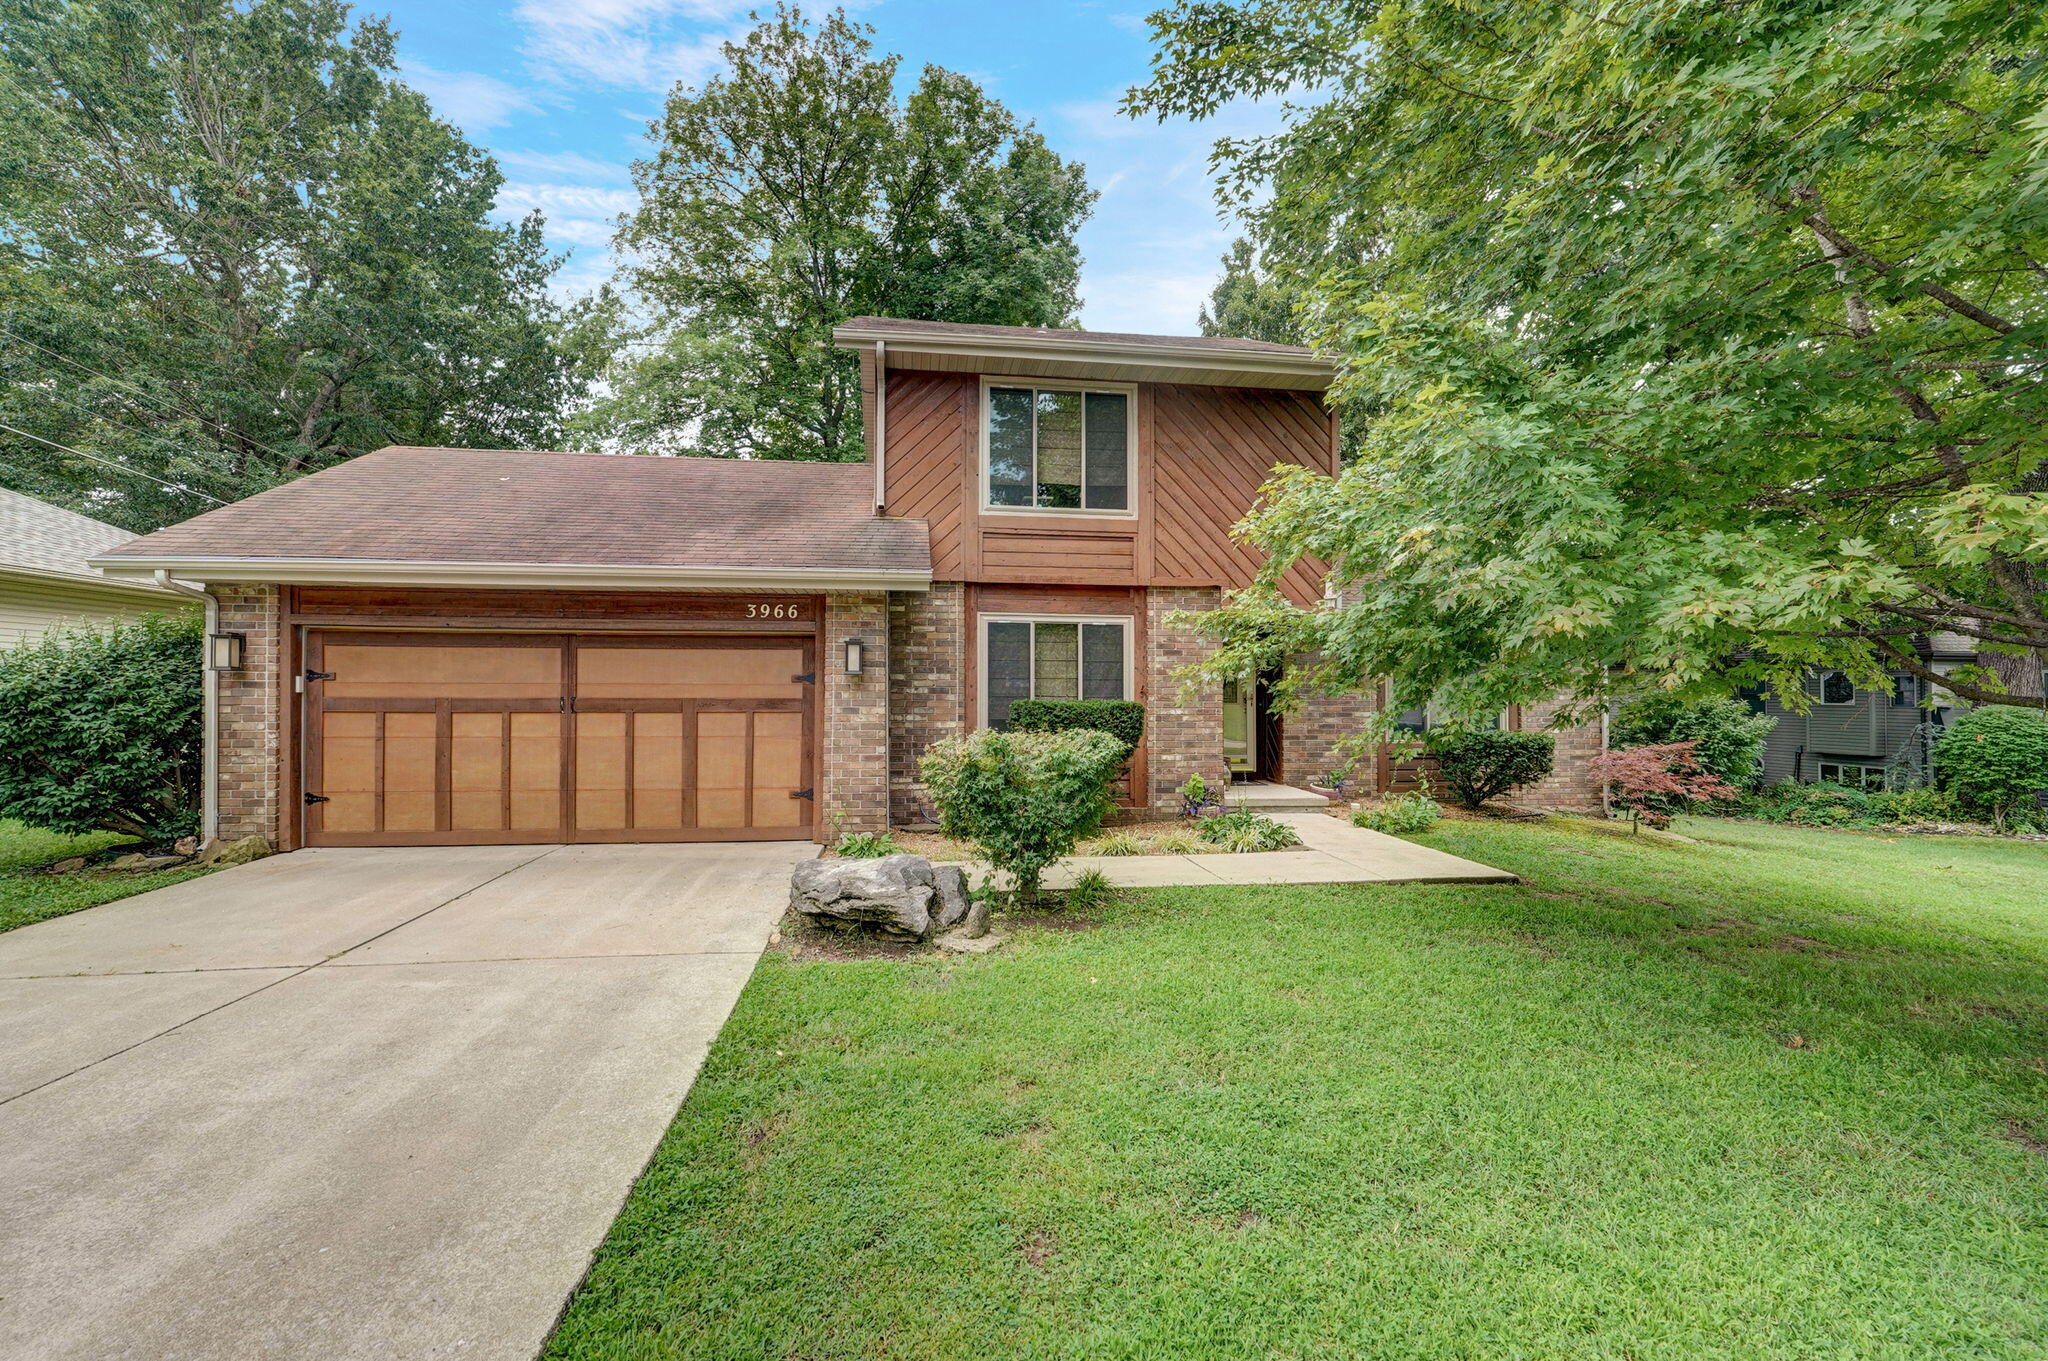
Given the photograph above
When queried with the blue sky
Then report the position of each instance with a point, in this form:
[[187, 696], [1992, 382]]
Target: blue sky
[[561, 92]]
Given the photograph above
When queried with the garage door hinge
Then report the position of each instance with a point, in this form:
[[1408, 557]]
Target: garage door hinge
[[312, 675], [312, 799], [807, 678], [804, 794]]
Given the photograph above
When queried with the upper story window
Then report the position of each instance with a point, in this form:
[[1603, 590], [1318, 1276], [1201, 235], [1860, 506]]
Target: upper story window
[[1058, 449], [1836, 688]]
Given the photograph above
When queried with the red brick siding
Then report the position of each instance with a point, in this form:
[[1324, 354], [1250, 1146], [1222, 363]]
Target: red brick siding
[[1184, 733], [1309, 738], [853, 786], [249, 718], [1568, 785], [928, 696]]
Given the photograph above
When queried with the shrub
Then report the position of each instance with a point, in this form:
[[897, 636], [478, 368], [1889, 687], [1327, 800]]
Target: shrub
[[1477, 764], [867, 845], [1651, 781], [1122, 719], [1091, 890], [1926, 804], [1196, 798], [1117, 843], [103, 730], [1241, 829], [1811, 805], [1401, 815], [1995, 759], [1022, 800], [1178, 843], [1730, 739]]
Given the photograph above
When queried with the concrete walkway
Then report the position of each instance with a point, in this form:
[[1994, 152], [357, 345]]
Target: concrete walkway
[[1332, 852], [353, 1103]]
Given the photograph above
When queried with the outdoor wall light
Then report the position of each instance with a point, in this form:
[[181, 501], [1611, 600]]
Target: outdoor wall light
[[224, 651], [854, 657]]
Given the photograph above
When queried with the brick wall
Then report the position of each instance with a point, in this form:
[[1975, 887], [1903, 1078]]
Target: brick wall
[[1310, 734], [1568, 785], [249, 721], [928, 696], [853, 787], [1184, 734]]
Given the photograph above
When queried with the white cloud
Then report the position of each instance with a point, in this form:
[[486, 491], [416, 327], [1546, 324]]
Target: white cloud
[[1147, 301], [471, 100], [573, 164], [569, 200], [624, 44]]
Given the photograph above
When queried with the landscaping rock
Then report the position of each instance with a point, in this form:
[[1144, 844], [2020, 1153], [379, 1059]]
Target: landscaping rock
[[223, 853], [893, 894], [145, 862], [185, 845], [70, 866], [959, 942], [952, 902]]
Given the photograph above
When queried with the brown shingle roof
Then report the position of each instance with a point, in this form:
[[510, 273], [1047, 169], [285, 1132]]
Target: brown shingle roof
[[515, 506], [1080, 339]]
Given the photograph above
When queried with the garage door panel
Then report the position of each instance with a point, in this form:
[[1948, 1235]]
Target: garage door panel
[[482, 739]]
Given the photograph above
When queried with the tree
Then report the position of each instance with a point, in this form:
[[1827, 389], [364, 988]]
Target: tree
[[1995, 760], [1250, 302], [1707, 342], [1654, 782], [1727, 739], [796, 191], [234, 249], [101, 730]]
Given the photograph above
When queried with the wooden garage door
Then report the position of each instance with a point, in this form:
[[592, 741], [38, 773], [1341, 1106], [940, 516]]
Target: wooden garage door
[[450, 739]]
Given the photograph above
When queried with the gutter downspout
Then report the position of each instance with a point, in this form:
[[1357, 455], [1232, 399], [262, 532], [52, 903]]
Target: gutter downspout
[[881, 421], [209, 777]]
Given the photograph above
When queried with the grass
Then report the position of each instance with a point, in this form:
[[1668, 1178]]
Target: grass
[[1781, 1094], [27, 896]]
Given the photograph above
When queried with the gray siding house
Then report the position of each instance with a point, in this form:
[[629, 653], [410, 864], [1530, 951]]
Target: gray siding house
[[1863, 737], [46, 583]]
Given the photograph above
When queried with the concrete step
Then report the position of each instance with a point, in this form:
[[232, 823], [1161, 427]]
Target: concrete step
[[1273, 798]]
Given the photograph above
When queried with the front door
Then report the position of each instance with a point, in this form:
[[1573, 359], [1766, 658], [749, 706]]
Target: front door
[[453, 739]]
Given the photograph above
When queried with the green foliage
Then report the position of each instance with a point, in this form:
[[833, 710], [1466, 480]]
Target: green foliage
[[1091, 889], [796, 190], [1995, 760], [235, 249], [1705, 341], [1477, 764], [1730, 738], [1243, 829], [1813, 805], [1401, 815], [1249, 302], [1023, 800], [1925, 804], [1122, 719], [866, 845], [1178, 843], [102, 730], [1116, 843]]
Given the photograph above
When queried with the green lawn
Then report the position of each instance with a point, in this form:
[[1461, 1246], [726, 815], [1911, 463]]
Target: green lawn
[[26, 896], [1779, 1095]]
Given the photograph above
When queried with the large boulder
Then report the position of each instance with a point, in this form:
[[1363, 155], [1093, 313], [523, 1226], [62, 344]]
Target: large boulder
[[893, 893], [950, 907]]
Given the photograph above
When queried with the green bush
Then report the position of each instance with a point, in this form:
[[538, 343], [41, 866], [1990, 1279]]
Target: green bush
[[1091, 890], [103, 730], [1926, 804], [1994, 759], [1813, 805], [1242, 829], [867, 845], [1401, 815], [1116, 843], [1730, 737], [1022, 800], [1477, 764], [1122, 719]]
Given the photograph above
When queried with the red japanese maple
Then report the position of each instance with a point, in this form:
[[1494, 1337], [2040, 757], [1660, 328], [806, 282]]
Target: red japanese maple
[[1653, 782]]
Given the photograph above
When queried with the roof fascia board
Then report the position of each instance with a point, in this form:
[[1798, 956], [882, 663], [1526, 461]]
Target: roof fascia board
[[361, 572], [1156, 356], [86, 579]]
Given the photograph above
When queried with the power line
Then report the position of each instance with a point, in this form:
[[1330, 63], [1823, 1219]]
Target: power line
[[159, 401], [117, 467], [192, 452]]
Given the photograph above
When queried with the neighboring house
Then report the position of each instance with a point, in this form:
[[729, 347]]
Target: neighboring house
[[445, 646], [46, 582], [1866, 738]]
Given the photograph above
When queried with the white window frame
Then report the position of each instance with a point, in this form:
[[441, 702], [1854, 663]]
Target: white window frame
[[1820, 769], [1131, 459], [1128, 623], [1821, 690]]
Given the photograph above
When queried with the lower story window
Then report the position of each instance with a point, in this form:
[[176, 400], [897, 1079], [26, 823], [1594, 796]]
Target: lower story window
[[1854, 776], [1052, 658]]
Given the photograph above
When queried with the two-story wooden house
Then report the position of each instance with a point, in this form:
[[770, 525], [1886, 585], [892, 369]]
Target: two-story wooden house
[[443, 646]]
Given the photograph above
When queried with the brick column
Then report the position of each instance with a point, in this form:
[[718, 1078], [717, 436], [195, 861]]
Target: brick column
[[928, 696], [1183, 733], [1568, 785], [249, 723], [1310, 734], [853, 786]]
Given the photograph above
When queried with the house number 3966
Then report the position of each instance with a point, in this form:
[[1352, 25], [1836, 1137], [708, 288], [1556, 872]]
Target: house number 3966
[[755, 610]]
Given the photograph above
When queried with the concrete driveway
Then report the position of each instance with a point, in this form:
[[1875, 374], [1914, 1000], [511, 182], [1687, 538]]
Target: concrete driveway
[[353, 1103]]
